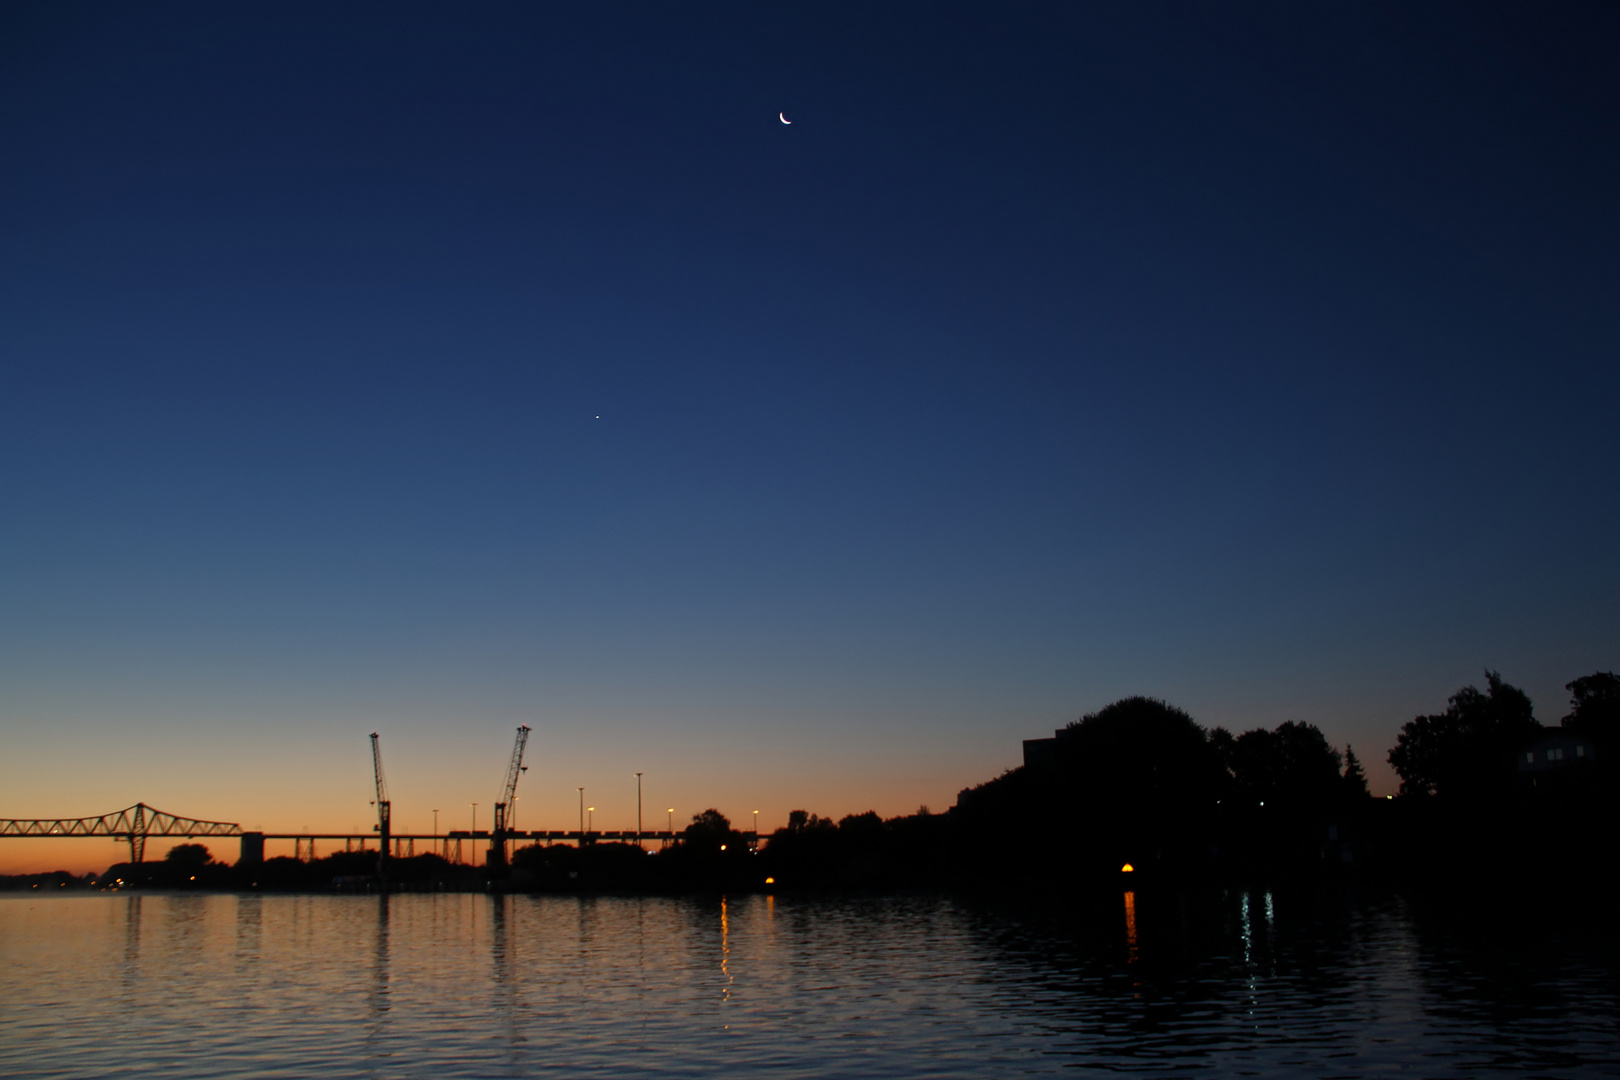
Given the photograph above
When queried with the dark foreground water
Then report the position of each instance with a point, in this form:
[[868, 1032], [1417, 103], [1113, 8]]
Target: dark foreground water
[[1234, 984]]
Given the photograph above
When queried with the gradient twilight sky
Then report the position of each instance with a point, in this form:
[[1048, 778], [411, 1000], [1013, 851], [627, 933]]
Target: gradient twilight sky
[[433, 369]]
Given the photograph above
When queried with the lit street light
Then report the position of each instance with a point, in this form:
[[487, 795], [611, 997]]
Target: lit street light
[[638, 809]]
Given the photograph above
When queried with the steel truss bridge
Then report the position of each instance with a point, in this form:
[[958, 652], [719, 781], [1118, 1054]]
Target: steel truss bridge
[[134, 824]]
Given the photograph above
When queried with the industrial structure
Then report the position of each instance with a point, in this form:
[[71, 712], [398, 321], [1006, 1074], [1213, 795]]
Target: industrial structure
[[136, 823], [384, 811], [507, 805]]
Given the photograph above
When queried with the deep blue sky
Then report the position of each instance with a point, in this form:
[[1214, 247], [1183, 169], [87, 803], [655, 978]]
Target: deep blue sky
[[451, 367]]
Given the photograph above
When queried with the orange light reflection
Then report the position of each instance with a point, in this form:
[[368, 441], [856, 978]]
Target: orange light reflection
[[725, 951], [1130, 924]]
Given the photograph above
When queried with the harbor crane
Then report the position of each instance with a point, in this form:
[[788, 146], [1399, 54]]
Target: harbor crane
[[507, 805], [384, 809]]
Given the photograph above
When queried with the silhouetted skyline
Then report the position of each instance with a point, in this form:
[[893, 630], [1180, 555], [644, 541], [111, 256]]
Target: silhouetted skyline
[[432, 371]]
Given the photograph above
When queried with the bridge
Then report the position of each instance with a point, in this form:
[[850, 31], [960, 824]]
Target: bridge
[[133, 823], [136, 823]]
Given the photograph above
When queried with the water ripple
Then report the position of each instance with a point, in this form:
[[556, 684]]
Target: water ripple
[[475, 986]]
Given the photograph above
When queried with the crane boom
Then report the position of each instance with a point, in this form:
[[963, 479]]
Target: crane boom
[[384, 807], [504, 808], [515, 767], [376, 765]]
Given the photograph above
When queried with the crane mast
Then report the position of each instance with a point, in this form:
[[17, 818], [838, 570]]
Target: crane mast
[[384, 807], [503, 808]]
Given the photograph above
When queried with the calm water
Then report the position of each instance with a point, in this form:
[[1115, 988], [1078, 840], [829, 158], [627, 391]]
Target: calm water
[[465, 985]]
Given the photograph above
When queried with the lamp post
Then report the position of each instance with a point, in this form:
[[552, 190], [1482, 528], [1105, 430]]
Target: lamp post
[[672, 821], [590, 819], [756, 828], [638, 809]]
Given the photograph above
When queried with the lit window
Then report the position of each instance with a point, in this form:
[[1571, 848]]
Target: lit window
[[1530, 757]]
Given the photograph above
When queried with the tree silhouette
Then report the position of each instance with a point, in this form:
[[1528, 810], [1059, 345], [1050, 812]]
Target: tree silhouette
[[1140, 754], [1466, 752], [188, 857], [1594, 714], [1136, 781], [1291, 768], [710, 820], [710, 831], [1355, 780]]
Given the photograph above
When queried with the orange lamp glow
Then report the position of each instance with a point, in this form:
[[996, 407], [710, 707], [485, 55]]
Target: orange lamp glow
[[770, 881], [1127, 869]]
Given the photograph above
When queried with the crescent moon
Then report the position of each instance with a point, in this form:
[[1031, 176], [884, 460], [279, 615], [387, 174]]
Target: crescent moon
[[783, 117]]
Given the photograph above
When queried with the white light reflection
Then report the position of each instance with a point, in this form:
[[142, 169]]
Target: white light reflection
[[1243, 925]]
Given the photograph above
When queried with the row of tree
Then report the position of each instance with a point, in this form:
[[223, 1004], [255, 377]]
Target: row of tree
[[1140, 783]]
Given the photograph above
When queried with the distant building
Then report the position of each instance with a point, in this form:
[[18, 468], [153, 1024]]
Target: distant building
[[1039, 752], [1554, 752]]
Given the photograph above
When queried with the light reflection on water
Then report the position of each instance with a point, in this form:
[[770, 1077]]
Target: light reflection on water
[[468, 985]]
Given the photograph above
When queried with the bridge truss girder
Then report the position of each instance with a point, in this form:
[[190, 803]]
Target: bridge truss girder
[[133, 823]]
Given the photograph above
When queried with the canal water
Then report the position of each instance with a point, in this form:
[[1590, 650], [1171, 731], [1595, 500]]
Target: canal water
[[454, 985]]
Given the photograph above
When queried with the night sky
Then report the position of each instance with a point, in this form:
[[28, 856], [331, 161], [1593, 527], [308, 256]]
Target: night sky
[[433, 369]]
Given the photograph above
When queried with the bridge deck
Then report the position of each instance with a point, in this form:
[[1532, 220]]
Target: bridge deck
[[593, 835]]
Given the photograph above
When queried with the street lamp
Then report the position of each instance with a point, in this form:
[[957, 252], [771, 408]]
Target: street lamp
[[638, 809], [590, 819], [672, 821]]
